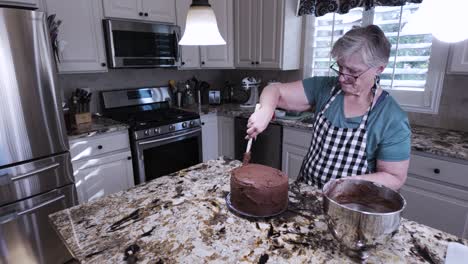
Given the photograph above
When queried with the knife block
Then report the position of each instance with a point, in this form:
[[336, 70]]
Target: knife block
[[83, 118]]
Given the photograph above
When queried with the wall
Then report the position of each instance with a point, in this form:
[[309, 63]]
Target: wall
[[453, 109], [131, 78]]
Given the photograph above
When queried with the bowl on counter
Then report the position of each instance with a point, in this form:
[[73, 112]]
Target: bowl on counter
[[361, 215]]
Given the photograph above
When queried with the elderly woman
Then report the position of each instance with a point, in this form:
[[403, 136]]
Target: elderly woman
[[359, 131]]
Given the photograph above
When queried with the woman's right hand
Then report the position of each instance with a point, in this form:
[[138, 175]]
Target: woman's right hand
[[258, 122]]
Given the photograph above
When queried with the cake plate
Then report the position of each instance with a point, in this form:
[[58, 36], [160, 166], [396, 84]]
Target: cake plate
[[237, 211]]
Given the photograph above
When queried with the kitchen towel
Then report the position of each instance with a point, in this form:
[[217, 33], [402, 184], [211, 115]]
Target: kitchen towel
[[456, 253]]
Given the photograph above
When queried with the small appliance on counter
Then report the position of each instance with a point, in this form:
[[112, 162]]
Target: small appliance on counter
[[250, 84], [214, 97]]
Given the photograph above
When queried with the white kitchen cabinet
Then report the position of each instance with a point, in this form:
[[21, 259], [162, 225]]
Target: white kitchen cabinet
[[102, 165], [459, 58], [80, 37], [217, 56], [100, 176], [145, 10], [190, 55], [436, 193], [226, 136], [209, 136], [296, 143], [20, 3], [267, 34]]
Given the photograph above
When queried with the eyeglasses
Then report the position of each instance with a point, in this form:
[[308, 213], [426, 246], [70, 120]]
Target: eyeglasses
[[348, 77]]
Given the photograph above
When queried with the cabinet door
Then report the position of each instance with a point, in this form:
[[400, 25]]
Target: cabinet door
[[80, 37], [459, 58], [292, 160], [159, 10], [209, 136], [226, 136], [245, 30], [269, 45], [112, 174], [28, 3], [221, 56], [435, 210], [190, 55], [122, 9]]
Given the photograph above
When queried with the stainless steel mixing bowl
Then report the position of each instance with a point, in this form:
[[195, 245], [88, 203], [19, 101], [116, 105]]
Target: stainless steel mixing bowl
[[361, 214]]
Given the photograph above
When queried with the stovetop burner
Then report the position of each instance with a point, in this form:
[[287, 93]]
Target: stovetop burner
[[154, 118]]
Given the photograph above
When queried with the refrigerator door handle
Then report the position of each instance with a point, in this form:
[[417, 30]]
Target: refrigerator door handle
[[45, 168], [14, 215], [41, 205]]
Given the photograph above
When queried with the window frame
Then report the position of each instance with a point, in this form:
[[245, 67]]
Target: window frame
[[426, 101]]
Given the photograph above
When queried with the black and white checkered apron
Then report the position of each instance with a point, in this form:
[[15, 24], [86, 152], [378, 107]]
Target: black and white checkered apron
[[335, 152]]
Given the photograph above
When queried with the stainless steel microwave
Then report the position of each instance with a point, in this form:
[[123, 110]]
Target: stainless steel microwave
[[141, 45]]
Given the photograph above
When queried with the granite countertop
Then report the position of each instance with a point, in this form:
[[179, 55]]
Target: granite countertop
[[99, 125], [434, 141], [183, 218]]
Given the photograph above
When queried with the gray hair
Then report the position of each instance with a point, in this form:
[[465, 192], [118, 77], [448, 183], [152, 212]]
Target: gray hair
[[370, 42]]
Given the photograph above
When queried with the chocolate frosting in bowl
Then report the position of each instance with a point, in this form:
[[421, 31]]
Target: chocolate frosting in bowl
[[259, 190]]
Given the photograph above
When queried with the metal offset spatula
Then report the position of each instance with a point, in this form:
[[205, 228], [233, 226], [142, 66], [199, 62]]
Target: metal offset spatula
[[247, 154]]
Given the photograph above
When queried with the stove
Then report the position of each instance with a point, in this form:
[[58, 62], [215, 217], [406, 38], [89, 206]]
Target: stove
[[163, 139]]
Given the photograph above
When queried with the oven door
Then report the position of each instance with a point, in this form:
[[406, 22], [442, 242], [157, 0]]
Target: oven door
[[166, 154]]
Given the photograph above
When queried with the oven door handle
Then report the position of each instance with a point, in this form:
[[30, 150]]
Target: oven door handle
[[168, 138]]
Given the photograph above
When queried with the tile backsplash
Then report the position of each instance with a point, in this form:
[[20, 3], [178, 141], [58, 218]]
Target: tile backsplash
[[132, 78]]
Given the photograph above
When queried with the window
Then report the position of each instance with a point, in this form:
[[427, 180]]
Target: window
[[415, 72]]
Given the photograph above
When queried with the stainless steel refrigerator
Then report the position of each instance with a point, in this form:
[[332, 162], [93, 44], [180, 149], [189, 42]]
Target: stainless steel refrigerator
[[35, 170]]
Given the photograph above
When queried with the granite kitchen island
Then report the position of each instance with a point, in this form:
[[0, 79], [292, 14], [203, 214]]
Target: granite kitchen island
[[183, 218]]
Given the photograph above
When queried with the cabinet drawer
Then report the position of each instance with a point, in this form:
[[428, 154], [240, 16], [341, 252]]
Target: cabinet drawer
[[297, 137], [440, 170], [84, 148]]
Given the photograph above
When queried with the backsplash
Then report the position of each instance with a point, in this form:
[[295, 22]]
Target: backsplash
[[132, 78]]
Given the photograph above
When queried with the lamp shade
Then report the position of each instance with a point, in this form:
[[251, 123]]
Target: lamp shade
[[445, 20], [201, 27]]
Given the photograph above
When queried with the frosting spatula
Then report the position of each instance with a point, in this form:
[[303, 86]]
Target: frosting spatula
[[247, 154]]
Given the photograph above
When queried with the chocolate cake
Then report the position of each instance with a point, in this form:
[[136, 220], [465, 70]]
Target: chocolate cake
[[259, 190]]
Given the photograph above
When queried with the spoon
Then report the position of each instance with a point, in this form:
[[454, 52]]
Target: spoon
[[248, 154]]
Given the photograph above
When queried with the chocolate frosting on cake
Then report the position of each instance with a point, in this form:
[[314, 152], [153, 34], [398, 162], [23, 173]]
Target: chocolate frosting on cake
[[259, 190]]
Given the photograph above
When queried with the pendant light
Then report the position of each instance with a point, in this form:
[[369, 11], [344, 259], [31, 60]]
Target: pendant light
[[201, 27], [445, 20]]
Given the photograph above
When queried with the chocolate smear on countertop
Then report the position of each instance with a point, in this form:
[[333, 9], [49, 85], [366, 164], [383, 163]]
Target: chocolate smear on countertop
[[178, 190], [422, 251], [120, 224], [130, 254], [263, 259], [148, 233]]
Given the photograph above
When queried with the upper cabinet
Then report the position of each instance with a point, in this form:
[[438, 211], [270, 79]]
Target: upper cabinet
[[219, 56], [22, 3], [459, 58], [147, 10], [80, 37], [267, 34]]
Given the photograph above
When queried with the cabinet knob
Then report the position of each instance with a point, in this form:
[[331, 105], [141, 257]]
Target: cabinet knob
[[203, 63], [202, 123], [183, 63], [146, 14], [99, 147], [253, 62], [436, 171], [141, 13], [129, 158], [257, 62], [103, 64]]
